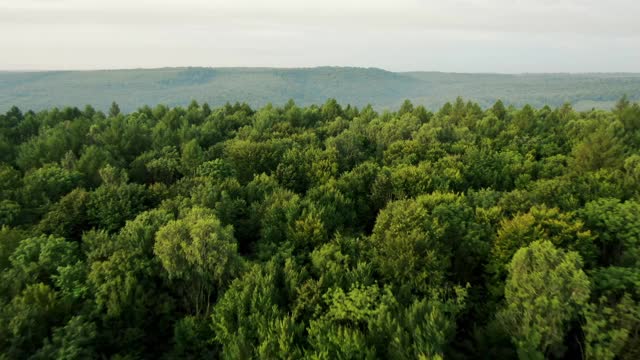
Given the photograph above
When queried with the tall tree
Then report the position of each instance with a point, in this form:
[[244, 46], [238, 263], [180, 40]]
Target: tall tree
[[545, 290], [200, 252]]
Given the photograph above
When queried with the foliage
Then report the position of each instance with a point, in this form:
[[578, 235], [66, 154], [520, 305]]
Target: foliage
[[200, 253], [544, 292], [320, 232]]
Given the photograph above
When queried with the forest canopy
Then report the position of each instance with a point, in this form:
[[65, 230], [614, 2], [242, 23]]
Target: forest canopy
[[320, 232]]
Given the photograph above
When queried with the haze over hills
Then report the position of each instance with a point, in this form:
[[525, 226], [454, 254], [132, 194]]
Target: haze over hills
[[259, 86]]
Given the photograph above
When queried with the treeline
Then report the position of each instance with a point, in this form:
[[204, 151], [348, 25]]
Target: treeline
[[323, 232]]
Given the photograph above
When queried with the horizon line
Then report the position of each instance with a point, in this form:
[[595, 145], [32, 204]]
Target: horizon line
[[311, 68]]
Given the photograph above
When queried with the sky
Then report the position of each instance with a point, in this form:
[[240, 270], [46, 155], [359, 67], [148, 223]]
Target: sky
[[499, 36]]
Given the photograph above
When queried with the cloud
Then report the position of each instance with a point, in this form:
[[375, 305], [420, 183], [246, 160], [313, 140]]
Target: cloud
[[591, 17], [298, 33]]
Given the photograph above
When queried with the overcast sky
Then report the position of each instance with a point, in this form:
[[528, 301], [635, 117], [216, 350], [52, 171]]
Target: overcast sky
[[507, 36]]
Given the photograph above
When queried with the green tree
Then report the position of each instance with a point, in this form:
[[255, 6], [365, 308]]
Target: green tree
[[114, 110], [46, 185], [92, 159], [368, 322], [192, 157], [68, 217], [249, 321], [115, 201], [610, 329], [545, 290], [499, 110], [192, 339], [540, 223], [409, 250], [616, 227], [200, 251], [75, 340], [599, 150], [38, 259], [27, 320]]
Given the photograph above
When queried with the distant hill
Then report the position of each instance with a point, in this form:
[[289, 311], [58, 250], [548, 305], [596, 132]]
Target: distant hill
[[258, 86]]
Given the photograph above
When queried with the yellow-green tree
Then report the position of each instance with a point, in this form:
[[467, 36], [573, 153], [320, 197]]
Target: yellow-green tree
[[200, 252]]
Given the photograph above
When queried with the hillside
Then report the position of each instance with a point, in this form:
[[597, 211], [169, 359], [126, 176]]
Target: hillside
[[258, 86]]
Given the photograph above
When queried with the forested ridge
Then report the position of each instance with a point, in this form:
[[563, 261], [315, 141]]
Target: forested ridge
[[307, 86], [320, 232]]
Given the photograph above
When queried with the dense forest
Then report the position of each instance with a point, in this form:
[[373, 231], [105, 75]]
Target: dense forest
[[320, 232]]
